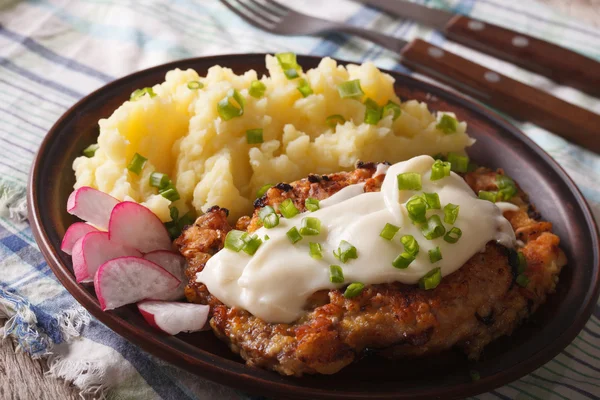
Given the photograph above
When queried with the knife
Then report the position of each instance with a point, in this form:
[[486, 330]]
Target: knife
[[557, 63]]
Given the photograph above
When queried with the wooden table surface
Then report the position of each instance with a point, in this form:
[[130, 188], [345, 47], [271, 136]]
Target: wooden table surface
[[22, 378]]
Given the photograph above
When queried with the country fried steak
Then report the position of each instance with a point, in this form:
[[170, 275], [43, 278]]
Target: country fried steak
[[471, 307]]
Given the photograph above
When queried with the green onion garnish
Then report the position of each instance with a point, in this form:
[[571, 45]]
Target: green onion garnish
[[459, 163], [409, 181], [235, 240], [440, 169], [140, 92], [431, 279], [291, 73], [174, 213], [265, 211], [522, 263], [389, 231], [350, 89], [257, 89], [372, 112], [137, 164], [392, 107], [336, 275], [252, 244], [263, 189], [474, 375], [172, 228], [315, 250], [254, 136], [506, 187], [435, 255], [411, 246], [522, 280], [159, 180], [310, 226], [353, 290], [451, 213], [90, 150], [288, 209], [439, 156], [187, 219], [345, 252], [195, 85], [288, 63], [311, 204], [266, 237], [271, 221], [334, 120], [489, 196], [293, 235], [432, 200], [170, 193], [304, 88], [403, 260], [416, 207], [453, 235], [434, 228], [447, 124], [231, 106]]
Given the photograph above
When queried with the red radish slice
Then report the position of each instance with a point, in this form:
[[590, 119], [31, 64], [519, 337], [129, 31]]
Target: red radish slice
[[91, 205], [173, 317], [173, 263], [93, 250], [128, 280], [73, 234], [133, 225]]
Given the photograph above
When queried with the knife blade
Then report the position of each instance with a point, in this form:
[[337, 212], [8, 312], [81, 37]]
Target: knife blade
[[557, 63]]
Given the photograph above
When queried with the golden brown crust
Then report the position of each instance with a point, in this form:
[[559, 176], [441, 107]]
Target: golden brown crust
[[469, 309]]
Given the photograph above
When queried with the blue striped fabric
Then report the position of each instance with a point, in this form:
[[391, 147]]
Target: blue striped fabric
[[53, 52]]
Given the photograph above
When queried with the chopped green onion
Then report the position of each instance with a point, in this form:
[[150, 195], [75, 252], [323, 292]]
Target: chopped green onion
[[345, 252], [90, 150], [271, 221], [252, 244], [453, 235], [416, 207], [235, 240], [288, 209], [333, 120], [350, 89], [172, 229], [432, 200], [159, 180], [170, 193], [440, 169], [431, 279], [389, 231], [522, 263], [522, 280], [403, 260], [434, 228], [304, 88], [336, 275], [438, 156], [411, 246], [315, 250], [257, 89], [451, 213], [372, 112], [266, 237], [507, 188], [231, 106], [459, 163], [489, 196], [140, 92], [137, 164], [447, 124], [409, 181], [174, 213], [187, 219], [393, 108], [263, 189], [435, 255], [288, 63], [310, 226], [293, 235], [472, 167], [266, 210], [353, 290], [195, 85], [311, 204], [474, 375], [291, 73], [254, 136]]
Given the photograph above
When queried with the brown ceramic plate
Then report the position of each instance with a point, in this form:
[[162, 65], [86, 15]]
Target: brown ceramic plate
[[499, 144]]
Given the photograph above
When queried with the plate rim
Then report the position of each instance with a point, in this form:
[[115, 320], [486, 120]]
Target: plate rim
[[226, 374]]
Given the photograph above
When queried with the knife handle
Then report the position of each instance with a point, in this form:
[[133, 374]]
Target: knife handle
[[557, 63], [508, 95]]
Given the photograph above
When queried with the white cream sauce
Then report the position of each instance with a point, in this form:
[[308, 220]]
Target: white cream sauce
[[275, 283]]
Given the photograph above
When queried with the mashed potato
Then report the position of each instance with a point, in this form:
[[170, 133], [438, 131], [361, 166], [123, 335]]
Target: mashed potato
[[209, 160]]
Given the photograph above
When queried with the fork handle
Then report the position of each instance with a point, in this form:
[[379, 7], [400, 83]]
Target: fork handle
[[508, 95]]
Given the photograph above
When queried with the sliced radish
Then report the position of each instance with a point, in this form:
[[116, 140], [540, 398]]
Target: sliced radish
[[173, 263], [133, 225], [173, 317], [128, 280], [93, 250], [73, 234], [91, 205]]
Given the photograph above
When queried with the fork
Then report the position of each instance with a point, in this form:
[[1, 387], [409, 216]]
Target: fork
[[506, 94]]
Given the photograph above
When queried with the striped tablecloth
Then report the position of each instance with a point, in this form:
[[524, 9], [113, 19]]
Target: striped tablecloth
[[53, 52]]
